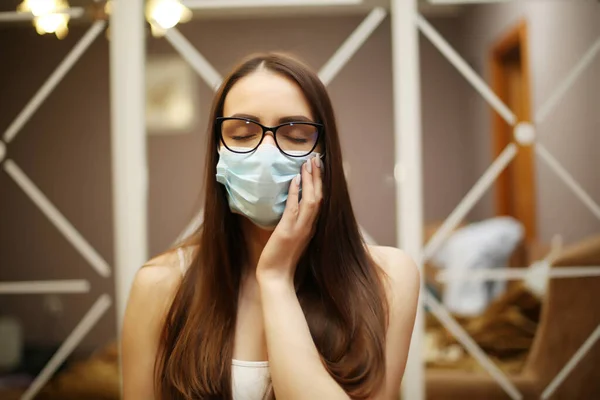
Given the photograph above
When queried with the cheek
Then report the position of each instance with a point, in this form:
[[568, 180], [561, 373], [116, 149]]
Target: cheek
[[320, 147]]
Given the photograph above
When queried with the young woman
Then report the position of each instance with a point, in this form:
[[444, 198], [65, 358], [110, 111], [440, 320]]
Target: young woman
[[276, 295]]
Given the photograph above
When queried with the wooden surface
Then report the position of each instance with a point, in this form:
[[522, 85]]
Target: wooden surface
[[510, 73]]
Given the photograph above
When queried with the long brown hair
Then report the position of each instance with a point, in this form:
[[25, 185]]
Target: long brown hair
[[339, 286]]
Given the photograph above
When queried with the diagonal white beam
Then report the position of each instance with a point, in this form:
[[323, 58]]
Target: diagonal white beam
[[503, 274], [465, 69], [549, 105], [200, 64], [440, 312], [331, 68], [60, 222], [471, 346], [37, 287], [220, 4], [568, 179], [472, 197], [75, 337], [571, 364], [351, 45], [53, 80]]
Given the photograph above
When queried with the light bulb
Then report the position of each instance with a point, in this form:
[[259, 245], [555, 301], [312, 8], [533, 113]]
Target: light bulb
[[50, 23], [165, 14], [42, 7], [47, 16]]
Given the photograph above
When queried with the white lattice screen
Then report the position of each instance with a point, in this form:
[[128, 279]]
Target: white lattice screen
[[406, 24]]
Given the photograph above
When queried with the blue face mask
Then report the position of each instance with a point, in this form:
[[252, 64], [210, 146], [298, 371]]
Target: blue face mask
[[257, 183]]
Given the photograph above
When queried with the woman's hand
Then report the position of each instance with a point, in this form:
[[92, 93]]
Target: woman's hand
[[294, 359], [284, 248]]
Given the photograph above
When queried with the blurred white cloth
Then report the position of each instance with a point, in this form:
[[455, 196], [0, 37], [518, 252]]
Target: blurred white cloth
[[486, 244]]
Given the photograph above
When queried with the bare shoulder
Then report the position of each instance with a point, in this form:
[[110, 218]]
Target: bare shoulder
[[399, 268], [402, 283], [150, 297], [155, 284], [160, 273], [166, 263]]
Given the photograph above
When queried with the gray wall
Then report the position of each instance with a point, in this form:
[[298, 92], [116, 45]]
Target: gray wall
[[559, 34], [65, 149], [447, 155]]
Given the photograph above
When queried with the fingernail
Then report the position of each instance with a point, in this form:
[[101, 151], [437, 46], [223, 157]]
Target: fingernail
[[298, 179], [318, 161], [309, 166]]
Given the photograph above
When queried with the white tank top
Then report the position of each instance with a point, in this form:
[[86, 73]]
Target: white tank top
[[250, 379]]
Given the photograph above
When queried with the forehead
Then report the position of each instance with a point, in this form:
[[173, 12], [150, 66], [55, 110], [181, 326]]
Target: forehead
[[268, 96]]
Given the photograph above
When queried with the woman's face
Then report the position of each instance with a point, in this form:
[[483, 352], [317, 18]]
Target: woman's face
[[270, 99]]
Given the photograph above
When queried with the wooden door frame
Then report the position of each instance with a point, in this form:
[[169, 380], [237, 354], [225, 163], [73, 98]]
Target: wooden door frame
[[515, 38]]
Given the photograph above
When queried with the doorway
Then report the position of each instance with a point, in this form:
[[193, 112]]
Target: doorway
[[515, 187]]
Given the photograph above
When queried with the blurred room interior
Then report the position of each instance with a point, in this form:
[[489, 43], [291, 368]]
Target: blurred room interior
[[510, 137]]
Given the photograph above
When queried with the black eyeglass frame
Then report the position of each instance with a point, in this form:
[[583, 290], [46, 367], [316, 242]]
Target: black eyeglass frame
[[273, 129]]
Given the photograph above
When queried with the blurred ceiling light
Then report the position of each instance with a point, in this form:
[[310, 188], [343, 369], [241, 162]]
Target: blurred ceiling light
[[165, 14], [52, 23], [48, 17]]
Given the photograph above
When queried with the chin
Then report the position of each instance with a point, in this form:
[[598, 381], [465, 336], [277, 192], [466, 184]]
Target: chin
[[268, 228], [254, 224]]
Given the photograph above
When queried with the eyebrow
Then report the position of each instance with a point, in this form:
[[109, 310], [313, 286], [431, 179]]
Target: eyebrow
[[282, 120]]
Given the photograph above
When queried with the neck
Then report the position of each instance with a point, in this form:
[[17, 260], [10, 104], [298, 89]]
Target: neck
[[256, 239]]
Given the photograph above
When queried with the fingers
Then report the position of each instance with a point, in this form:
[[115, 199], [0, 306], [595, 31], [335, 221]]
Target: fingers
[[291, 204], [309, 204], [306, 211], [308, 188], [317, 178]]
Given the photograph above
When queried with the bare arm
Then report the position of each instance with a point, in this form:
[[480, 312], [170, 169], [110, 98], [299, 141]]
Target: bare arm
[[295, 364], [296, 368], [403, 292], [149, 299]]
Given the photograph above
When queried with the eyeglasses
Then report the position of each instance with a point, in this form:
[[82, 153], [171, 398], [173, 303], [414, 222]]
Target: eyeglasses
[[242, 135]]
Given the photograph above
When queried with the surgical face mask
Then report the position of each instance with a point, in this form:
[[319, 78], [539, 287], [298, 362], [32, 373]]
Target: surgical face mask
[[257, 183]]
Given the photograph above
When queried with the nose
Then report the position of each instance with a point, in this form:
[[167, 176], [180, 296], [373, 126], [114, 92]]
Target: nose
[[269, 138]]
